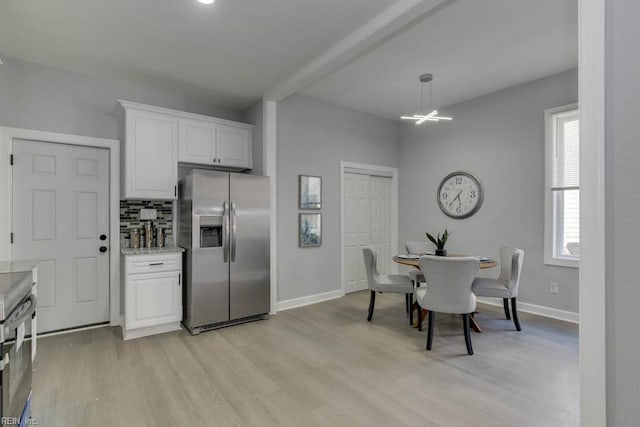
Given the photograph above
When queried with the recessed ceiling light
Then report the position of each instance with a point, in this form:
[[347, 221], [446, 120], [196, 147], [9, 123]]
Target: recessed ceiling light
[[206, 1]]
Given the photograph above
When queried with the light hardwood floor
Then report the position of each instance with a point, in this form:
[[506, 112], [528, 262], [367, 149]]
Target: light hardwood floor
[[317, 365]]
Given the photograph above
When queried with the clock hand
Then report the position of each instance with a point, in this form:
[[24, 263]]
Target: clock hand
[[454, 199]]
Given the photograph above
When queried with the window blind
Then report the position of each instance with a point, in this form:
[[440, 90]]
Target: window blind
[[566, 153]]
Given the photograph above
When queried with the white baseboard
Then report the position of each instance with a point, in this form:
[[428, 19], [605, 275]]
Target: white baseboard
[[71, 330], [128, 334], [554, 313], [308, 300]]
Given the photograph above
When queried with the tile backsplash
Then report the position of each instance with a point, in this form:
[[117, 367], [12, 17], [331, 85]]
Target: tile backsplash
[[130, 215]]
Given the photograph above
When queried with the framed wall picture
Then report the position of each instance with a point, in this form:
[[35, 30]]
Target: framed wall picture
[[310, 192], [309, 230]]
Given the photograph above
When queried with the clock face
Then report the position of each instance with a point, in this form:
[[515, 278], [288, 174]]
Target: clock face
[[460, 195]]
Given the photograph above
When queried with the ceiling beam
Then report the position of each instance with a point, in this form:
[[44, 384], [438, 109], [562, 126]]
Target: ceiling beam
[[397, 17]]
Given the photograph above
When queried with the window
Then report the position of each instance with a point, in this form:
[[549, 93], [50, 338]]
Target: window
[[562, 198]]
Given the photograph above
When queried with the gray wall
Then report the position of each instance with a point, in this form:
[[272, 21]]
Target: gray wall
[[33, 96], [500, 139], [253, 115], [622, 160], [313, 136]]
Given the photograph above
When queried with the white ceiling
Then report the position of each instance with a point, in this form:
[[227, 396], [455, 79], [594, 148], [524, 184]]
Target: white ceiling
[[234, 50], [472, 47]]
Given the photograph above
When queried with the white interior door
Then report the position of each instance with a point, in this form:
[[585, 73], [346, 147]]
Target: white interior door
[[356, 218], [60, 216], [380, 209], [367, 222]]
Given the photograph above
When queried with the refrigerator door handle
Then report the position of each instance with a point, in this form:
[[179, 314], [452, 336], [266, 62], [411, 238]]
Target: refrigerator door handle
[[225, 231], [233, 232]]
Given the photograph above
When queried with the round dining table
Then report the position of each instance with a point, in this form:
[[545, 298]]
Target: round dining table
[[415, 262]]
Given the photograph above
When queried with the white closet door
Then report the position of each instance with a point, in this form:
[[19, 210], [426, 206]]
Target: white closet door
[[380, 209], [367, 223], [60, 210], [357, 229]]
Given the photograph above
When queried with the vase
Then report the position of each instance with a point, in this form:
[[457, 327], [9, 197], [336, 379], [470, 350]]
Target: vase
[[441, 252]]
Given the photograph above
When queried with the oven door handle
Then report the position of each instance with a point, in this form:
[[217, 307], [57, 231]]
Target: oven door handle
[[24, 316]]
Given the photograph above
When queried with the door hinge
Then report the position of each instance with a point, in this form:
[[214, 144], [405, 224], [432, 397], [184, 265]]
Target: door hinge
[[11, 159], [11, 237]]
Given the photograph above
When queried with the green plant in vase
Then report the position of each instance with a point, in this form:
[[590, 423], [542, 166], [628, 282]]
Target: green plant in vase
[[440, 242]]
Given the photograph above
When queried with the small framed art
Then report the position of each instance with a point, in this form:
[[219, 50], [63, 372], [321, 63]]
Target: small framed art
[[310, 192], [309, 230]]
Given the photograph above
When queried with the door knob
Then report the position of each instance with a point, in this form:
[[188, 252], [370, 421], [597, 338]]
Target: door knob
[[103, 237], [103, 249]]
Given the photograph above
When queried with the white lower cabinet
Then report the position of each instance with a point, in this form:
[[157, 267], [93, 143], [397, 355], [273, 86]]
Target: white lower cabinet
[[152, 294]]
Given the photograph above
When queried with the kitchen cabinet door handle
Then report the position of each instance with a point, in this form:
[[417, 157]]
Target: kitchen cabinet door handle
[[155, 263], [23, 311]]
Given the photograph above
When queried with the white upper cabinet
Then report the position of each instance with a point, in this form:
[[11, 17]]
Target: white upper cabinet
[[150, 156], [234, 146], [197, 142], [213, 143], [158, 138]]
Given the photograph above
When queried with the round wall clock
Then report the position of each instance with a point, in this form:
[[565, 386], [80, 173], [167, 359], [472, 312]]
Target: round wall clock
[[460, 195]]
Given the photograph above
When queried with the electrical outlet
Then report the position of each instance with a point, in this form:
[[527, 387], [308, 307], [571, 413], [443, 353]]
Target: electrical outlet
[[553, 287], [148, 214]]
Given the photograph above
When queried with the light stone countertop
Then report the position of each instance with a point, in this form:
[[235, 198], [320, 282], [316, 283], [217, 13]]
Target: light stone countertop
[[18, 265], [151, 251]]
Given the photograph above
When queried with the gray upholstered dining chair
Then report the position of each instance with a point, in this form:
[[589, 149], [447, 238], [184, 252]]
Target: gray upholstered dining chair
[[448, 290], [392, 283], [417, 248], [506, 285]]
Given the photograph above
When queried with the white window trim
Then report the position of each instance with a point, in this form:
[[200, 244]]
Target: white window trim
[[549, 212]]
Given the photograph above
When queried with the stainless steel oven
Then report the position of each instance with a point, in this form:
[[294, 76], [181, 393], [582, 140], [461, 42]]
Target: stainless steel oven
[[18, 310]]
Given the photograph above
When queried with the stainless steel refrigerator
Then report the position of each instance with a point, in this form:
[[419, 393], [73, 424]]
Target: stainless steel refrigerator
[[224, 227]]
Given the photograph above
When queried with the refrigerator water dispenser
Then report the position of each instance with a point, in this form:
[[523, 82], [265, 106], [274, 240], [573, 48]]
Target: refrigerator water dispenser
[[211, 231]]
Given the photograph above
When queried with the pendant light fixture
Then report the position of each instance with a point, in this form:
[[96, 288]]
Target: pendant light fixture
[[422, 117]]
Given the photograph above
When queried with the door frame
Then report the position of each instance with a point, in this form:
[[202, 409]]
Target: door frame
[[592, 268], [366, 169], [7, 135]]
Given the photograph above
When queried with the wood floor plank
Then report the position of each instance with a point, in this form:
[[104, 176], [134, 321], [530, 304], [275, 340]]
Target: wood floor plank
[[320, 365]]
